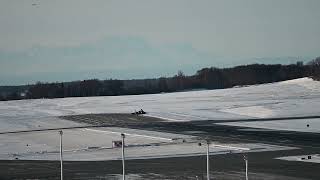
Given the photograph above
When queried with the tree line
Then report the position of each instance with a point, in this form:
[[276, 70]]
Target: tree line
[[206, 78]]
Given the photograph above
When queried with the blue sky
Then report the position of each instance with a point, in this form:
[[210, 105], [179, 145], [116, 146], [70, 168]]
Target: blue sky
[[79, 39]]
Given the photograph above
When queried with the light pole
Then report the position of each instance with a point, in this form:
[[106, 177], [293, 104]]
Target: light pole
[[61, 157], [208, 160], [123, 158], [245, 158]]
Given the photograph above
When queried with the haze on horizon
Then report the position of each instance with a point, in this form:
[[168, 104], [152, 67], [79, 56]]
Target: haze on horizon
[[43, 40]]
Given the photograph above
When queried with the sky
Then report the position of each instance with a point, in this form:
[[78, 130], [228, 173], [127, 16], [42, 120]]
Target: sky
[[65, 40]]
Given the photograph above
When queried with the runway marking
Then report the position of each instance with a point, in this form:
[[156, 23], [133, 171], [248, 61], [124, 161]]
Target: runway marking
[[231, 147], [130, 134]]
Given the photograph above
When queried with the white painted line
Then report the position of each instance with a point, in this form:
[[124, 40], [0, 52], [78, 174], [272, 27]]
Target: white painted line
[[133, 135], [231, 147]]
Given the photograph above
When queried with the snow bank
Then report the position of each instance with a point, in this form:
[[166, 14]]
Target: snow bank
[[308, 83]]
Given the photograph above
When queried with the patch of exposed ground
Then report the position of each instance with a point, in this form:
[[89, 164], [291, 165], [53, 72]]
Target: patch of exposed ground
[[121, 120]]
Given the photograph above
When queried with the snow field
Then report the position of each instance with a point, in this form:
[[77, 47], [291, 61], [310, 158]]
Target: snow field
[[299, 97]]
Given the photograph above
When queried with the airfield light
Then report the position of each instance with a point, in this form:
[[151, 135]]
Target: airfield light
[[123, 158]]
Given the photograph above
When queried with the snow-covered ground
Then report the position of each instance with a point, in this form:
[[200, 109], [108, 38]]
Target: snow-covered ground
[[95, 144], [300, 97], [315, 158]]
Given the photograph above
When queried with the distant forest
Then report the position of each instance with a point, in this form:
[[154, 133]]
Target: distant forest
[[206, 78]]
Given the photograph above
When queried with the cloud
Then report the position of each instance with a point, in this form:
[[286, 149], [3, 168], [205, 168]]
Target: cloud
[[247, 28], [75, 39]]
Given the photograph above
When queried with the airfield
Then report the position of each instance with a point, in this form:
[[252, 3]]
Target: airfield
[[275, 125]]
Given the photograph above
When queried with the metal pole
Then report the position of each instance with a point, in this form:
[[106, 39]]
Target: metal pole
[[246, 161], [246, 169], [61, 157], [123, 158], [208, 161]]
